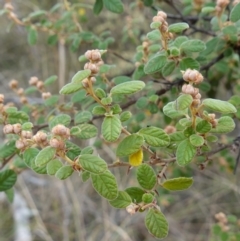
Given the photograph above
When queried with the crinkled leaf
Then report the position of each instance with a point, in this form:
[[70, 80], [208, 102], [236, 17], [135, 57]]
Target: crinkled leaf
[[196, 140], [93, 164], [225, 124], [129, 145], [155, 64], [80, 75], [189, 63], [84, 131], [177, 27], [156, 223], [32, 36], [62, 119], [83, 116], [98, 6], [29, 156], [7, 179], [170, 111], [128, 88], [193, 45], [122, 201], [168, 68], [203, 126], [50, 80], [64, 172], [178, 184], [135, 193], [234, 15], [183, 102], [111, 128], [105, 184], [146, 177], [185, 153], [221, 106], [70, 88], [126, 115], [154, 35], [17, 117], [85, 176], [45, 156], [7, 149], [53, 166], [155, 136]]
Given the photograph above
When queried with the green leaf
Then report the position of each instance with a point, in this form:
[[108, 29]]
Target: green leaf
[[147, 198], [111, 128], [142, 102], [83, 116], [196, 140], [128, 88], [122, 201], [45, 156], [50, 80], [146, 177], [7, 179], [155, 64], [178, 184], [52, 39], [70, 88], [189, 63], [155, 136], [126, 115], [29, 156], [168, 68], [234, 15], [100, 93], [64, 172], [129, 145], [185, 153], [223, 107], [99, 110], [179, 40], [87, 150], [85, 176], [53, 166], [32, 36], [51, 101], [98, 6], [114, 6], [17, 117], [154, 35], [139, 72], [212, 138], [92, 164], [170, 111], [183, 102], [84, 131], [177, 27], [107, 100], [193, 46], [62, 119], [73, 150], [208, 10], [135, 193], [105, 184], [156, 223], [235, 100], [225, 124], [203, 126], [7, 149], [80, 75]]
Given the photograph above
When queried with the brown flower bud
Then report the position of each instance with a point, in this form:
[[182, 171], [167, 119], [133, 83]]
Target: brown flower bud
[[196, 102], [33, 81], [132, 208], [196, 91], [96, 55], [46, 95], [197, 96], [20, 91], [40, 84], [13, 84], [1, 98], [170, 129], [162, 14], [85, 83], [8, 129], [26, 134], [61, 130], [20, 144], [159, 19], [145, 44], [24, 100], [212, 116], [17, 128], [93, 67], [99, 63], [192, 75], [188, 89], [58, 144], [40, 137], [88, 54]]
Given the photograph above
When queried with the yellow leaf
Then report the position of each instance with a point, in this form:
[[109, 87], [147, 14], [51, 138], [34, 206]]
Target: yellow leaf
[[136, 158]]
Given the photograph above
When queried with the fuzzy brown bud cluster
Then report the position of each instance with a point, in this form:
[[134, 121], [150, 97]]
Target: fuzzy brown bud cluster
[[192, 76], [95, 61], [220, 6], [222, 221], [61, 131], [212, 120], [170, 129], [162, 18], [41, 138], [46, 95], [19, 91], [12, 129], [194, 92], [132, 208], [57, 143], [13, 84], [34, 81]]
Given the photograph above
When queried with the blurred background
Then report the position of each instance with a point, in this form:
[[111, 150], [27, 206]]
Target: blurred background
[[45, 208]]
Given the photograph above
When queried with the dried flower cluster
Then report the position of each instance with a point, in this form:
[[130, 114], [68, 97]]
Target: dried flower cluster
[[222, 221], [95, 61], [19, 91]]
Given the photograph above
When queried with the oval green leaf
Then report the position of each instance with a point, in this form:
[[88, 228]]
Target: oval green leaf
[[84, 131], [105, 184], [122, 201], [7, 179], [203, 126], [80, 75], [156, 223], [178, 184], [135, 193], [114, 6], [235, 13], [53, 166], [64, 172], [62, 119], [129, 145], [45, 156], [170, 111], [177, 27], [196, 140], [193, 46], [155, 136], [128, 88], [225, 124], [220, 106], [183, 102], [93, 164], [70, 88], [155, 64], [146, 177]]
